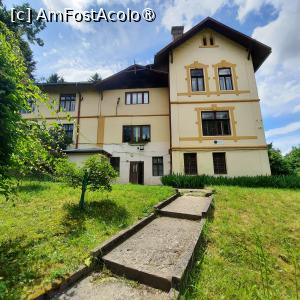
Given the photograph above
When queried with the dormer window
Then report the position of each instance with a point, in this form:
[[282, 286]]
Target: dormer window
[[197, 80]]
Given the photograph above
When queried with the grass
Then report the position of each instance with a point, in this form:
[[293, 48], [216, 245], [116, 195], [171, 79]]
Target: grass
[[43, 235], [250, 248]]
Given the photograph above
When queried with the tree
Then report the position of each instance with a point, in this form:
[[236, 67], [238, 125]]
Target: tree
[[277, 162], [293, 160], [25, 32], [95, 77], [55, 78], [95, 174], [16, 89]]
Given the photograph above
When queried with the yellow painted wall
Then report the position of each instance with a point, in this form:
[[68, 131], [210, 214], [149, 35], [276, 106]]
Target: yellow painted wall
[[190, 51], [239, 162]]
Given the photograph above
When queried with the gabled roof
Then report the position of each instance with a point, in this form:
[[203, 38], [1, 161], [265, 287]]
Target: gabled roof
[[258, 50], [135, 76]]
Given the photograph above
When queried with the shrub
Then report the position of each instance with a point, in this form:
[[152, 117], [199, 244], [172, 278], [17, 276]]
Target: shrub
[[185, 181], [95, 174]]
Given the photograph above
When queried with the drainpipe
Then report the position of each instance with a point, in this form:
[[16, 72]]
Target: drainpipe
[[170, 122], [78, 119]]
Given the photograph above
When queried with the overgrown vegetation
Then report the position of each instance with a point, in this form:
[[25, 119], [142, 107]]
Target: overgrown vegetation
[[44, 235], [250, 248], [288, 164], [185, 181]]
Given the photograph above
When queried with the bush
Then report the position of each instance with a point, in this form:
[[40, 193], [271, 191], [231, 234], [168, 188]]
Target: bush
[[185, 181], [95, 174]]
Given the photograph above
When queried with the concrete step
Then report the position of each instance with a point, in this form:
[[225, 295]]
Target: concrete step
[[187, 207], [158, 254]]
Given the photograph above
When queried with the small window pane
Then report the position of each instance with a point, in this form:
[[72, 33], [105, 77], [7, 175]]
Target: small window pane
[[128, 97], [136, 134], [224, 71], [194, 84], [197, 72], [228, 83], [222, 115], [140, 98], [208, 115], [126, 134], [222, 83], [146, 133], [146, 98], [134, 98]]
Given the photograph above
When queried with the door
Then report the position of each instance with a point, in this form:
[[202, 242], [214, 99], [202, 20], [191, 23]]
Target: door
[[136, 174]]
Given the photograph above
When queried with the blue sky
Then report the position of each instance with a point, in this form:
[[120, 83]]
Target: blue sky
[[78, 50]]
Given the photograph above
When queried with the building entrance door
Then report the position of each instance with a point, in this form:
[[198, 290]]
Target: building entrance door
[[136, 173]]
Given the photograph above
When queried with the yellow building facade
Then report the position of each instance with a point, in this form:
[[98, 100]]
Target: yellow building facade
[[196, 110]]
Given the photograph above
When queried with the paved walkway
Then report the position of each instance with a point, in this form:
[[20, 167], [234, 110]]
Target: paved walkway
[[157, 255]]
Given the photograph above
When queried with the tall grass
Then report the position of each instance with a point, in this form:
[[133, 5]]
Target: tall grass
[[185, 181]]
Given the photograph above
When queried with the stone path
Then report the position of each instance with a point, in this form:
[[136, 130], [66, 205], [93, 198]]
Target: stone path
[[156, 256]]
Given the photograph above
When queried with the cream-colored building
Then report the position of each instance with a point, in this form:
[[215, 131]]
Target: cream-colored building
[[195, 110]]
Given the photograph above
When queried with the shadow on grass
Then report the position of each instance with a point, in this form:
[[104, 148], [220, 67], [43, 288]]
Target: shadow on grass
[[189, 288], [106, 212], [15, 267], [31, 187]]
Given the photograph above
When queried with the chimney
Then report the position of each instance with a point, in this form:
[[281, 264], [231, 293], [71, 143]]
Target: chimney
[[177, 32]]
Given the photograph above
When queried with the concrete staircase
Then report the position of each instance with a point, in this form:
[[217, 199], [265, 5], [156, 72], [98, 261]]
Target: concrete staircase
[[160, 253]]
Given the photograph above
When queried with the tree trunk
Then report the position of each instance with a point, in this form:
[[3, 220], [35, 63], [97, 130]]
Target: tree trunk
[[83, 189]]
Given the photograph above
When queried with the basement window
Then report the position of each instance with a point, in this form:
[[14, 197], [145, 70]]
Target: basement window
[[157, 166], [115, 163], [190, 164], [219, 161]]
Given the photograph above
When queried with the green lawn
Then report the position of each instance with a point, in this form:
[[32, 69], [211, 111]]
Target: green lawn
[[43, 235], [251, 247]]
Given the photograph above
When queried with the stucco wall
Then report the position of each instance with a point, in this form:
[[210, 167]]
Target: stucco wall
[[238, 162]]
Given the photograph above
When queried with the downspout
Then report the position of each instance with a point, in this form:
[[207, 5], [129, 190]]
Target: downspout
[[78, 119], [170, 122]]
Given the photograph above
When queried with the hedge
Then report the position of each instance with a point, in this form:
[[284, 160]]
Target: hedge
[[185, 181]]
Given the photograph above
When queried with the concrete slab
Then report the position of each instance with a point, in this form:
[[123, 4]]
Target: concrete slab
[[187, 207], [157, 252], [195, 192], [97, 287]]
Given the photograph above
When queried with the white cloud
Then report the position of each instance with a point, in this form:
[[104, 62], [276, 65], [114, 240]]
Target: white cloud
[[292, 127], [71, 71], [182, 12], [80, 6], [285, 143]]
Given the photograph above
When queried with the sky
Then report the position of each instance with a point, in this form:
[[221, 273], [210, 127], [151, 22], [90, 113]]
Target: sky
[[78, 50]]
